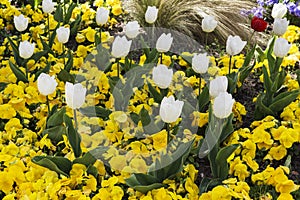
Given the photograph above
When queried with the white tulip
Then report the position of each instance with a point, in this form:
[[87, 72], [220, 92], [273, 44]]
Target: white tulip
[[200, 63], [209, 24], [120, 47], [63, 34], [170, 110], [280, 26], [151, 14], [132, 29], [279, 10], [46, 84], [218, 85], [26, 49], [75, 95], [222, 106], [20, 22], [234, 45], [164, 42], [281, 47], [162, 76], [102, 16], [48, 6]]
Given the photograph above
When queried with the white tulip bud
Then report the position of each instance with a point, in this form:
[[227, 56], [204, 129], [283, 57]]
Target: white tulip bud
[[132, 29], [46, 84], [26, 49], [209, 24], [280, 26], [218, 85], [170, 110], [102, 16], [48, 6], [279, 10], [20, 22], [151, 14], [162, 76], [222, 106], [281, 47], [120, 47], [63, 34], [234, 45], [200, 63], [75, 95], [164, 42]]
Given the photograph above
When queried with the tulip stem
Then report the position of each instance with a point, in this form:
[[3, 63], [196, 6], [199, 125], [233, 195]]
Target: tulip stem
[[26, 70], [168, 133], [75, 119], [100, 36], [118, 68], [48, 104], [206, 36], [199, 86], [161, 58], [249, 41], [48, 20], [63, 46], [230, 58]]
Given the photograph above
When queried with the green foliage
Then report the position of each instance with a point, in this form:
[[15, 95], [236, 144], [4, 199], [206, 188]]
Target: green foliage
[[73, 136]]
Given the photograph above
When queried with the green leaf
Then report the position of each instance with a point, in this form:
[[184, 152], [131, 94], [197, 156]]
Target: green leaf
[[245, 70], [73, 136], [95, 111], [69, 64], [44, 70], [57, 118], [18, 73], [58, 15], [55, 133], [281, 103], [87, 159], [267, 82], [221, 160], [207, 183], [232, 82], [144, 116], [52, 38], [203, 99], [15, 49], [65, 76], [143, 182], [3, 86], [271, 59], [58, 164], [135, 117], [261, 110], [153, 56], [69, 13], [102, 58], [187, 59], [227, 128], [298, 76], [75, 25], [92, 170], [155, 94]]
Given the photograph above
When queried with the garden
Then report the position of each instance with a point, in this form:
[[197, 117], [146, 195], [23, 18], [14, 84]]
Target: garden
[[150, 99]]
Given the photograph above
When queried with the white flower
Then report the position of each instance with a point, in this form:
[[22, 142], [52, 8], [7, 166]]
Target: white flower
[[75, 95], [209, 24], [279, 10], [281, 47], [120, 47], [102, 16], [151, 14], [26, 49], [170, 110], [218, 85], [222, 106], [132, 29], [280, 26], [234, 45], [63, 34], [46, 84], [164, 42], [162, 76], [20, 22], [200, 63], [48, 6]]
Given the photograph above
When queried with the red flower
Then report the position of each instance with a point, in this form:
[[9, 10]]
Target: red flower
[[258, 24]]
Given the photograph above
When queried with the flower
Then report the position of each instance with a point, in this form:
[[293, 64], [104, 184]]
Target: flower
[[209, 24], [218, 85], [151, 14], [281, 47], [20, 22], [280, 26], [48, 6], [258, 24], [162, 76], [26, 49], [120, 47], [132, 29], [170, 109], [234, 45], [46, 84], [223, 104], [279, 10], [63, 34], [200, 63], [75, 95], [164, 42], [102, 16]]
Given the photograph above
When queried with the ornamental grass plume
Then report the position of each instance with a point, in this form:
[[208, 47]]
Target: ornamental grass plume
[[186, 17]]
